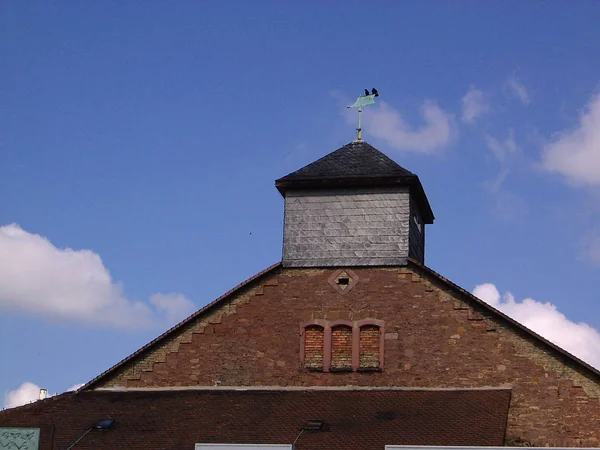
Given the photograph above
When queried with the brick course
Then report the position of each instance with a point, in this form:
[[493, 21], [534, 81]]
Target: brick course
[[434, 337]]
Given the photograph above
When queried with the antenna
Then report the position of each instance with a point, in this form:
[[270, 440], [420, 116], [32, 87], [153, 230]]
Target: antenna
[[363, 100]]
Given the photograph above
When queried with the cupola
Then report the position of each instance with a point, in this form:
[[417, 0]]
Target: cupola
[[353, 207]]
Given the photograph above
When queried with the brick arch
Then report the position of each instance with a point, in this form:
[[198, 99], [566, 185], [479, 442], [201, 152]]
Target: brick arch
[[340, 341], [342, 345], [313, 344], [370, 344]]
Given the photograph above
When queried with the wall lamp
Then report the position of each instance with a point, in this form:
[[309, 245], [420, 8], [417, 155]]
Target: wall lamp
[[102, 424], [311, 425]]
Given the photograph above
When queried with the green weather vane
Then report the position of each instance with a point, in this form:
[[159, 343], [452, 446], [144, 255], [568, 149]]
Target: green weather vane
[[363, 100]]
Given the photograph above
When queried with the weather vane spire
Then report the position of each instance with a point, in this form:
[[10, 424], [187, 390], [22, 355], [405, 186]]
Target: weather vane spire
[[363, 100]]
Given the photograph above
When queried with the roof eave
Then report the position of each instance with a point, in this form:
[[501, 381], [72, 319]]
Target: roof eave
[[507, 318], [411, 181]]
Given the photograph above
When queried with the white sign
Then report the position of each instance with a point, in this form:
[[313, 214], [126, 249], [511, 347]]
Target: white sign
[[243, 447]]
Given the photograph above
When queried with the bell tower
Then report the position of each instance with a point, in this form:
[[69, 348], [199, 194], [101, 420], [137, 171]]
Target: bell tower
[[353, 207]]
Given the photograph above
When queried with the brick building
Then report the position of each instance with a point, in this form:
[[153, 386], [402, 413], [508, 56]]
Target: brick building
[[349, 342]]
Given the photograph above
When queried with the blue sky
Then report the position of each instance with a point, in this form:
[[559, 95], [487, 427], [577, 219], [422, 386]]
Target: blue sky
[[145, 137]]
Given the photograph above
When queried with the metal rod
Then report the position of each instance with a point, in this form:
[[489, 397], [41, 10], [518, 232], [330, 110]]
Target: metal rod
[[359, 129], [297, 437], [80, 438]]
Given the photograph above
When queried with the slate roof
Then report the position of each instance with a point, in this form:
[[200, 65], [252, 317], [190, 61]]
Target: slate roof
[[358, 159], [354, 418], [353, 165]]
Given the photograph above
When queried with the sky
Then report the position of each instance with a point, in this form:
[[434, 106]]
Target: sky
[[140, 141]]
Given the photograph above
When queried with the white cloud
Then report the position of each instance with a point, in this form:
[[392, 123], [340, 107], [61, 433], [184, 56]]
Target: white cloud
[[575, 153], [474, 105], [75, 387], [29, 392], [40, 279], [26, 393], [515, 88], [590, 246], [384, 122], [501, 149], [173, 305], [580, 339]]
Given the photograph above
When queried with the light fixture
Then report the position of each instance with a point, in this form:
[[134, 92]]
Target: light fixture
[[314, 425], [310, 425], [102, 424]]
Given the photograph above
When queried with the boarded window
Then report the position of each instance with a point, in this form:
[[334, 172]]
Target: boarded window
[[313, 347], [341, 347], [369, 343]]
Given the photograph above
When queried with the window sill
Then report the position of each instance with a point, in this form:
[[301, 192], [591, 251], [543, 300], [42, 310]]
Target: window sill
[[340, 369], [369, 369]]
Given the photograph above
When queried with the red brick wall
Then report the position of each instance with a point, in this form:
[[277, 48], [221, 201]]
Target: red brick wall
[[433, 338], [341, 347], [313, 346], [369, 346]]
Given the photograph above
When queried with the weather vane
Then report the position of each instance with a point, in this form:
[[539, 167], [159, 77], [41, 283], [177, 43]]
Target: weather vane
[[363, 100]]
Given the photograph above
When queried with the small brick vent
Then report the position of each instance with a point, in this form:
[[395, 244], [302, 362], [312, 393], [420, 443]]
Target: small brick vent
[[343, 280], [341, 347], [369, 347], [313, 347]]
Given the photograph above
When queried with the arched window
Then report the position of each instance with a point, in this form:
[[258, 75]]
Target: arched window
[[341, 347], [314, 346], [369, 347]]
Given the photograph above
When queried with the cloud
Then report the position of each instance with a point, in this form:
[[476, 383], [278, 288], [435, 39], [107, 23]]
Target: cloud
[[26, 393], [590, 246], [474, 105], [386, 123], [575, 153], [515, 88], [40, 279], [75, 387], [501, 149], [507, 205], [580, 339], [173, 306]]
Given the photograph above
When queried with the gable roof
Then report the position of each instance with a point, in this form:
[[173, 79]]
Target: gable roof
[[354, 165], [459, 290], [354, 418], [273, 268], [181, 324]]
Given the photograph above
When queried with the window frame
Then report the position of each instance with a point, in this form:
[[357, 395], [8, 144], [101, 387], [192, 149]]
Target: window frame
[[327, 326]]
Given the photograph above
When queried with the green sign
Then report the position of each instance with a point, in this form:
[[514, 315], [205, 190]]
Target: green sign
[[19, 438]]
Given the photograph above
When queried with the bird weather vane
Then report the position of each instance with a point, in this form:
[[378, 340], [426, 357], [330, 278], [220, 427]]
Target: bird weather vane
[[363, 100]]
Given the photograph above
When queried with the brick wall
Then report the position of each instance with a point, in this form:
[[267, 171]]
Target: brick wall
[[434, 337], [369, 346], [313, 346], [341, 347]]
